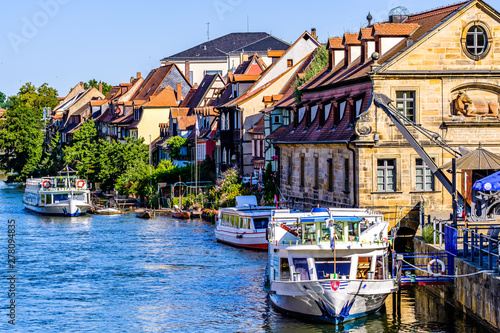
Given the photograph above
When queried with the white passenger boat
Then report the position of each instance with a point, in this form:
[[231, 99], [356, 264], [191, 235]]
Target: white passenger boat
[[330, 264], [64, 195], [244, 225]]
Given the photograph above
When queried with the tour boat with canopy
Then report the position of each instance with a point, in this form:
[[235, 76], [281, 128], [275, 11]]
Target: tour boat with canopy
[[63, 195], [329, 264], [244, 225]]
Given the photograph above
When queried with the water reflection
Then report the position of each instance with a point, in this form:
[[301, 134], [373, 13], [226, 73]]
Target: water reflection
[[124, 274]]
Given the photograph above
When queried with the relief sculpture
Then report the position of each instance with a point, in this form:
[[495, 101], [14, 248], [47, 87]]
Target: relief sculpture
[[465, 106]]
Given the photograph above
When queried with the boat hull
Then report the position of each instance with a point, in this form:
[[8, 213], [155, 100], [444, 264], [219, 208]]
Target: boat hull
[[66, 209], [333, 301], [245, 239], [181, 215]]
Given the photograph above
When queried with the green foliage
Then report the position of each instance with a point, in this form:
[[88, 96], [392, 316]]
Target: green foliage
[[317, 64], [21, 136], [174, 144], [428, 233], [227, 188], [5, 103], [94, 83], [52, 159], [271, 185]]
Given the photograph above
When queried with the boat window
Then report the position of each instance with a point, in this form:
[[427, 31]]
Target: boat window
[[339, 231], [353, 231], [80, 196], [260, 223], [237, 221], [325, 267], [49, 198], [284, 270], [301, 269], [59, 197], [42, 201], [379, 268], [364, 264], [309, 231], [325, 231], [231, 217]]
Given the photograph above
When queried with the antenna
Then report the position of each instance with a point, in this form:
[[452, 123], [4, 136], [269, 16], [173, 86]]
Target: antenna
[[208, 31]]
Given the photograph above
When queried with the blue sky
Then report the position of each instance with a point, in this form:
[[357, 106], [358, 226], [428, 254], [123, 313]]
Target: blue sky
[[63, 42]]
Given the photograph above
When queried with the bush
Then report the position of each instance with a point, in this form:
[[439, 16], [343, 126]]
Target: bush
[[427, 233]]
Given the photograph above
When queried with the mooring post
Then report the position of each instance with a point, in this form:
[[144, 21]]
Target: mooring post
[[400, 269]]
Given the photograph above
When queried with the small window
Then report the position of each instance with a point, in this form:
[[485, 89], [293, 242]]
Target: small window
[[289, 63], [223, 121], [316, 172], [276, 119], [346, 175], [326, 112], [302, 170], [284, 269], [386, 175], [424, 178], [302, 112], [314, 112], [330, 174], [364, 264], [342, 110], [289, 176], [405, 103]]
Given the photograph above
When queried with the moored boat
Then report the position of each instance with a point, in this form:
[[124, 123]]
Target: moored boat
[[64, 195], [179, 213], [144, 213], [244, 225], [330, 265], [107, 211]]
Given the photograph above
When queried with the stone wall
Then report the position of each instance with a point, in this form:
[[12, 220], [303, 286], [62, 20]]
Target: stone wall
[[477, 295]]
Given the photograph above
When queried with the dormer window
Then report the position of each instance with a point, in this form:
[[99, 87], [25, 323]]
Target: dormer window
[[476, 40]]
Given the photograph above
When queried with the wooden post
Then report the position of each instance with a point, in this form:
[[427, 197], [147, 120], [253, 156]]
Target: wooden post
[[400, 268]]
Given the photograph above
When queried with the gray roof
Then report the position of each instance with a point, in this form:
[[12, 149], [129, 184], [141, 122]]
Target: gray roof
[[219, 48]]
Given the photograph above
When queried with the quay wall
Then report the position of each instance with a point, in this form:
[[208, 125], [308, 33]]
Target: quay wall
[[477, 295]]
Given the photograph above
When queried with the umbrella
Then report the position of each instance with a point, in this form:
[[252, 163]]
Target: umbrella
[[489, 183], [479, 159]]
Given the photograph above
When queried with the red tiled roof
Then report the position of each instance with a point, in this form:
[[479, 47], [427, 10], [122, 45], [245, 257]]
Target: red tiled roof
[[245, 77], [351, 39], [179, 112], [394, 29], [275, 53], [164, 98], [152, 82], [99, 102], [366, 34], [186, 122], [259, 127]]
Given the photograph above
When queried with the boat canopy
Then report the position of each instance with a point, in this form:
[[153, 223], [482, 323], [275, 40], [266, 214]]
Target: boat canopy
[[327, 217], [246, 200]]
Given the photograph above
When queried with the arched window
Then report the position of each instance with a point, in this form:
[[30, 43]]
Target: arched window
[[223, 121], [224, 156]]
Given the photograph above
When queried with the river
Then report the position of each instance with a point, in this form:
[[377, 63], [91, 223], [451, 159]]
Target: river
[[124, 274]]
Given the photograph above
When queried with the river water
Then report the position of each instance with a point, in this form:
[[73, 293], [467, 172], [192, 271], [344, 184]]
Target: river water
[[124, 274]]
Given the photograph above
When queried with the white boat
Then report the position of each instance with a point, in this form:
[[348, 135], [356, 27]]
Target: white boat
[[330, 265], [244, 225], [63, 195]]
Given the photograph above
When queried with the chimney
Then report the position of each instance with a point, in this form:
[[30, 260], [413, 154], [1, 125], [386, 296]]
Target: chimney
[[186, 71], [179, 91], [313, 33], [138, 75], [81, 83], [100, 87]]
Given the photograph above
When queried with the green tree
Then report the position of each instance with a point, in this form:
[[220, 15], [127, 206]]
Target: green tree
[[21, 135], [94, 83], [175, 143], [52, 159], [5, 103]]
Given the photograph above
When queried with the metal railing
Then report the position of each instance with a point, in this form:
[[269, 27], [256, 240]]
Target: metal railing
[[478, 244]]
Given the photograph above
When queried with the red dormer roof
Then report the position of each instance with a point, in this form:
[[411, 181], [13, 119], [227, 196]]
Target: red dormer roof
[[351, 39], [366, 34], [164, 98], [394, 29], [335, 43]]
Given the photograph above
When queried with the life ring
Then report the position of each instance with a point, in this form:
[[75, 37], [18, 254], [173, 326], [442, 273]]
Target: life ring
[[432, 262], [293, 232], [46, 184], [80, 183]]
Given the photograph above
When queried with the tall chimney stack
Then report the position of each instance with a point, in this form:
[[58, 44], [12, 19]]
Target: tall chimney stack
[[179, 91], [186, 71], [138, 75], [100, 87], [313, 33]]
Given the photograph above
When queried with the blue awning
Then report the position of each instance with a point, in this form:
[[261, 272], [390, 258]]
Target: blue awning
[[489, 183], [326, 218]]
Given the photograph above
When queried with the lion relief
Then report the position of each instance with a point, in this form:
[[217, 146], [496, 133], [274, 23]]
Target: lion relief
[[468, 107]]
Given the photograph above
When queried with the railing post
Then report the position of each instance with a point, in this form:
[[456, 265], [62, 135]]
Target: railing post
[[440, 233], [490, 255], [481, 249], [465, 242], [434, 231], [472, 236]]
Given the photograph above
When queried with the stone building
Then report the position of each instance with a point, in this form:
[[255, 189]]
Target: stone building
[[442, 70]]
